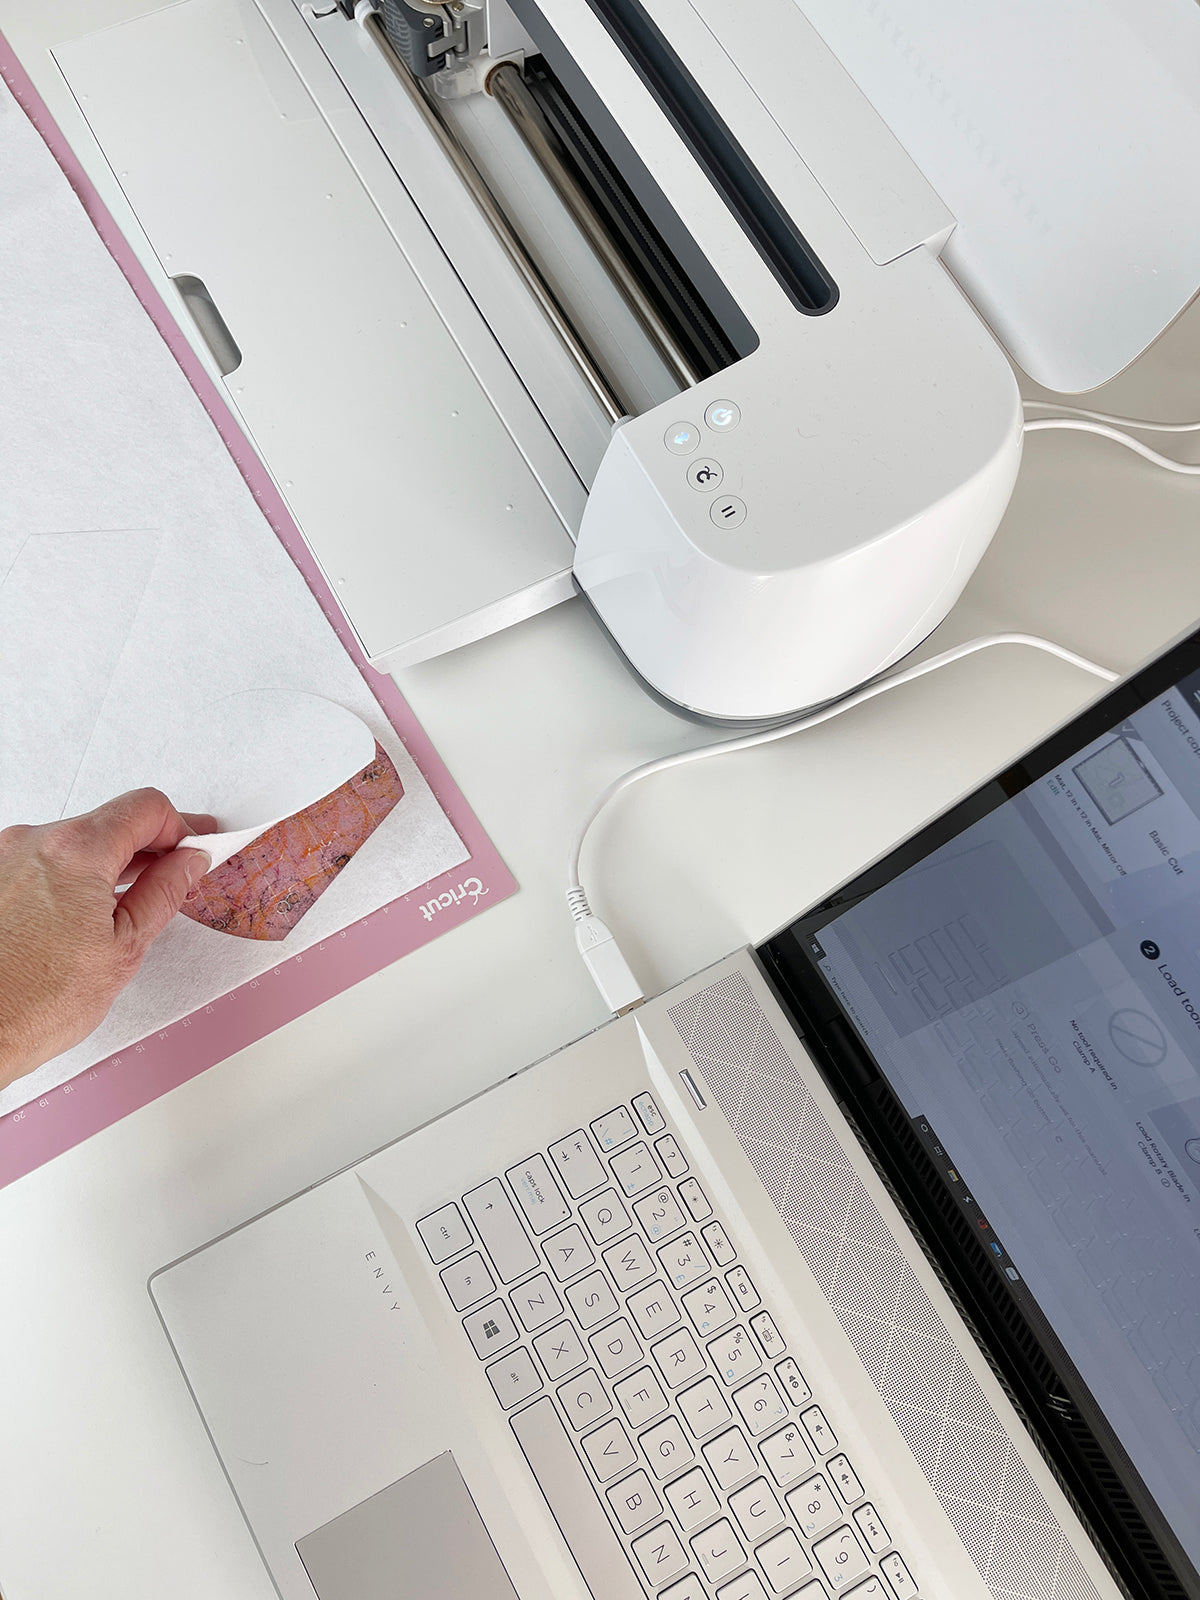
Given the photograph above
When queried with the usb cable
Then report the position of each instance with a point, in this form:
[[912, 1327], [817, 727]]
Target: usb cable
[[1079, 424], [601, 954]]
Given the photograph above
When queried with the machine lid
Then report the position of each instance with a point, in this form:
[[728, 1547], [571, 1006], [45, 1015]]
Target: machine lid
[[1063, 135]]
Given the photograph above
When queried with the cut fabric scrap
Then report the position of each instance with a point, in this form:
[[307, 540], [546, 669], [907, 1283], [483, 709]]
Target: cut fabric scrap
[[264, 890]]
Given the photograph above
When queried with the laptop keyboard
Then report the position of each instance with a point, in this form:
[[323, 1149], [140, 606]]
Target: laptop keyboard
[[675, 1438]]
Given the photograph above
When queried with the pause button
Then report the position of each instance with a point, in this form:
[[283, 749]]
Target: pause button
[[727, 511]]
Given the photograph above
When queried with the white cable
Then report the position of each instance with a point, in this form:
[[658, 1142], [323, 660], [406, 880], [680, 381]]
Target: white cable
[[1105, 416], [1130, 443], [610, 971]]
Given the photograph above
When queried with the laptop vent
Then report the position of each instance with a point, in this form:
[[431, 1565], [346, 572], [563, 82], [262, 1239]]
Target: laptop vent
[[961, 1445]]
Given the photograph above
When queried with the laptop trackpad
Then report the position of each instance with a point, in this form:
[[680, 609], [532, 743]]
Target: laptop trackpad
[[419, 1539]]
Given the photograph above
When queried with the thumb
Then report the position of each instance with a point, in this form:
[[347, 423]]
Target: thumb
[[155, 895]]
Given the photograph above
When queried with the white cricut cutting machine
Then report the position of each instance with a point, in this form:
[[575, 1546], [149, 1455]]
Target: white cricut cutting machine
[[689, 284]]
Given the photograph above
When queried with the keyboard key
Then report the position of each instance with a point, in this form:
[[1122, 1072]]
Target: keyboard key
[[814, 1506], [692, 1499], [500, 1230], [744, 1292], [514, 1377], [760, 1404], [667, 1447], [616, 1347], [787, 1455], [671, 1156], [709, 1307], [695, 1199], [756, 1509], [536, 1302], [444, 1233], [569, 1252], [871, 1588], [730, 1458], [635, 1170], [585, 1400], [560, 1351], [784, 1561], [898, 1575], [870, 1525], [537, 1194], [768, 1335], [842, 1558], [703, 1407], [468, 1281], [604, 1217], [613, 1128], [592, 1300], [679, 1358], [609, 1450], [660, 1215], [634, 1501], [684, 1261], [717, 1550], [689, 1588], [577, 1164], [746, 1587], [820, 1435], [795, 1384], [733, 1355], [717, 1240], [660, 1554], [573, 1504], [845, 1479], [650, 1117], [629, 1263], [640, 1397], [491, 1328], [652, 1309]]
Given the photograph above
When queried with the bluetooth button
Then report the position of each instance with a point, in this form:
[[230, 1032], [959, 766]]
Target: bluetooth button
[[681, 438], [727, 511]]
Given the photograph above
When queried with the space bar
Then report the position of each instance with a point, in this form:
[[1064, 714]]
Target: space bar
[[572, 1499]]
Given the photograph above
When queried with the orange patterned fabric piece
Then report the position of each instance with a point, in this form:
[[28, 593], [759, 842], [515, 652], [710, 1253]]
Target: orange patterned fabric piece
[[263, 891]]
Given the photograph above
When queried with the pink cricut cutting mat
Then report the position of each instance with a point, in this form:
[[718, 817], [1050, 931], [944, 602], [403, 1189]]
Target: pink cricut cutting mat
[[112, 1088]]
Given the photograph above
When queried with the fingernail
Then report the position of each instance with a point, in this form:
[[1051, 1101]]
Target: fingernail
[[200, 863]]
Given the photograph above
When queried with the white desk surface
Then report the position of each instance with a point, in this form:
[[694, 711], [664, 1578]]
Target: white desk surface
[[108, 1486]]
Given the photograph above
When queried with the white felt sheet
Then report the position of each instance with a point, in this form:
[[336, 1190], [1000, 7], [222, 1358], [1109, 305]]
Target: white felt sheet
[[67, 605], [139, 583]]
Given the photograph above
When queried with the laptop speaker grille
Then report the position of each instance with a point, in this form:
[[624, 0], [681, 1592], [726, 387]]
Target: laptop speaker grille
[[999, 1513]]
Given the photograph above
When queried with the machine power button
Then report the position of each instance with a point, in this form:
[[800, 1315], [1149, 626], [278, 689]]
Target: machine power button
[[722, 415]]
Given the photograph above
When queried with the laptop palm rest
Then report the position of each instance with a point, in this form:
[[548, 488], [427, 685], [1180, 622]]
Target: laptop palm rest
[[421, 1538]]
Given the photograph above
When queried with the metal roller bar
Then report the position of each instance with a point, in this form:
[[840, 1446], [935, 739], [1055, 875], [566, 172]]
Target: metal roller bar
[[601, 386], [508, 88]]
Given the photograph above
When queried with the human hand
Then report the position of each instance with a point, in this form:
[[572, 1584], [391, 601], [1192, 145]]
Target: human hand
[[68, 942]]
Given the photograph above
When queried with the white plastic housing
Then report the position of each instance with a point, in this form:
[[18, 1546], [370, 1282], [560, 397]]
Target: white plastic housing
[[877, 441], [874, 455]]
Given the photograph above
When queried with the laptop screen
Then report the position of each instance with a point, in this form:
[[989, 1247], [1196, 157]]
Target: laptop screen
[[1022, 980]]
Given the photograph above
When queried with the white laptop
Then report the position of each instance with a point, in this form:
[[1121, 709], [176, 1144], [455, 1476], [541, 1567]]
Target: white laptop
[[865, 1263]]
